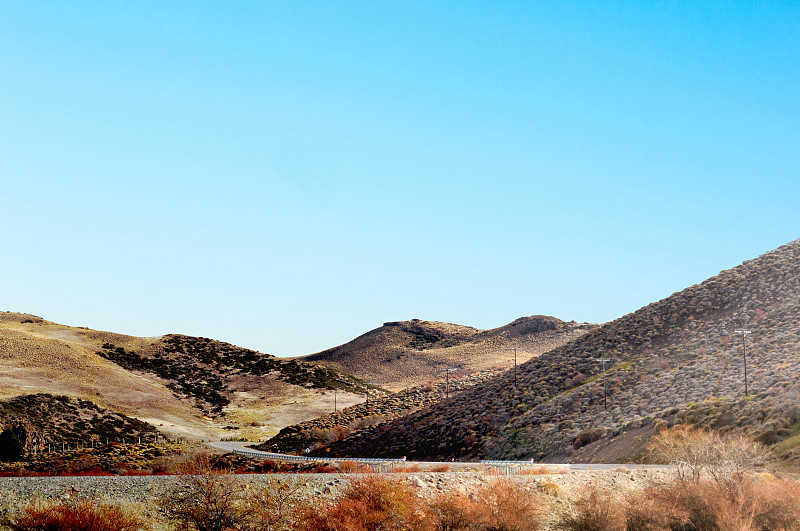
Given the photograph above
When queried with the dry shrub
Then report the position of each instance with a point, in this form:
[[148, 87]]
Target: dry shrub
[[499, 506], [594, 509], [778, 504], [80, 515], [507, 506], [351, 467], [208, 501], [275, 505], [543, 470], [725, 457], [763, 505], [441, 468], [406, 468], [370, 503], [548, 488]]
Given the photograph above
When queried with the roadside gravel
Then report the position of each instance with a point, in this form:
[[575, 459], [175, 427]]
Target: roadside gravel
[[147, 489]]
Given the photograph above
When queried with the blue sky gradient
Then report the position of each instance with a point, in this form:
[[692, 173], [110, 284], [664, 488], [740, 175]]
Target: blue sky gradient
[[288, 175]]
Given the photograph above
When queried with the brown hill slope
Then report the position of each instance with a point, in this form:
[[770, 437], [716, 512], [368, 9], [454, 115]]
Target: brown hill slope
[[407, 353], [173, 382], [663, 360]]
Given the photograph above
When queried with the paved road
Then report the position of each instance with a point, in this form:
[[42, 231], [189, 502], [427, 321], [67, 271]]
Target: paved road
[[241, 448]]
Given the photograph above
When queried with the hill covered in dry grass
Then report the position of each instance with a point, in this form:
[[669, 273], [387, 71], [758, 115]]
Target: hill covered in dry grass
[[408, 353], [186, 386], [675, 360]]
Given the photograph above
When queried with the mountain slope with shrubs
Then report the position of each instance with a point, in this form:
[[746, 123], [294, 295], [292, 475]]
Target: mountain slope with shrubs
[[408, 353], [187, 386], [663, 360], [202, 369], [32, 422]]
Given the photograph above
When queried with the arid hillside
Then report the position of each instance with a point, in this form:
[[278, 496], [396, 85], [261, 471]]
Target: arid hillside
[[676, 360], [186, 386], [408, 353]]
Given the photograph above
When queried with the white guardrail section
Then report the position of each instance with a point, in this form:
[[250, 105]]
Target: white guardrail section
[[287, 457]]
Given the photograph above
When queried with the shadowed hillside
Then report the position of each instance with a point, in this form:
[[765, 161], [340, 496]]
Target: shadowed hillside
[[42, 419], [408, 353], [664, 359]]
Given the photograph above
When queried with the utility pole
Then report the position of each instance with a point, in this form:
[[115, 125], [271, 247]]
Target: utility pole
[[447, 379], [603, 361], [515, 364], [744, 333]]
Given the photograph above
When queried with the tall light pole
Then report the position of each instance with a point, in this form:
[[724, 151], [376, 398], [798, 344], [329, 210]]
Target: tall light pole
[[515, 363], [744, 333], [603, 361]]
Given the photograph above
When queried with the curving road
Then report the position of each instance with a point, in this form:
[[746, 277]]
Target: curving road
[[241, 448]]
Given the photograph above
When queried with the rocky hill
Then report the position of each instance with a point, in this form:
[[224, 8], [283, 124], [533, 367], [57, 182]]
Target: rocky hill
[[409, 353], [663, 361]]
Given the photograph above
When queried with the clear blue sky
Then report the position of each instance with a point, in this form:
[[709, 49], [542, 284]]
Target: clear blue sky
[[288, 175]]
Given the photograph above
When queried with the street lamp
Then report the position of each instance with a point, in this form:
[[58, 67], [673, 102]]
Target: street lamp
[[744, 333], [603, 361]]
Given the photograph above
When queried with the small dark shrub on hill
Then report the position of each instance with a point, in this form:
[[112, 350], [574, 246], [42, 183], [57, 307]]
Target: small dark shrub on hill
[[12, 444]]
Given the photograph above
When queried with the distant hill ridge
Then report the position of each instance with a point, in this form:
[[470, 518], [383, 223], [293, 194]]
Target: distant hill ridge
[[407, 353], [670, 354]]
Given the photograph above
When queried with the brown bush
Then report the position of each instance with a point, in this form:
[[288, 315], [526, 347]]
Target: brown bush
[[726, 458], [501, 505], [208, 501], [764, 505], [82, 515], [370, 503], [506, 506], [594, 509], [274, 506]]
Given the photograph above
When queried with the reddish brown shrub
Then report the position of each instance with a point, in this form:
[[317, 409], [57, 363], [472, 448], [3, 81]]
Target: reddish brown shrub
[[441, 468], [763, 505], [370, 503], [504, 505], [82, 515], [499, 506]]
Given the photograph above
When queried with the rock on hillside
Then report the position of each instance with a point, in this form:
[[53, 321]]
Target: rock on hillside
[[408, 353], [670, 354]]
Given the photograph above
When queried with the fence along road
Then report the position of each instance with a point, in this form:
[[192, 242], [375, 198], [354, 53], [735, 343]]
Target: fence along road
[[507, 466]]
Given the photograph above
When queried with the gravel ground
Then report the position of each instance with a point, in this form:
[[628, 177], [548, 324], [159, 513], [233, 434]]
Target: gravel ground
[[149, 488], [144, 492]]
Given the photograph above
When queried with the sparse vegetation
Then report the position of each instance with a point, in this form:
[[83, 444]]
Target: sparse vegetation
[[672, 360], [199, 368]]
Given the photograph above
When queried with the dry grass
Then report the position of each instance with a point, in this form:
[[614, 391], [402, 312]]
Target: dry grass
[[394, 358]]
